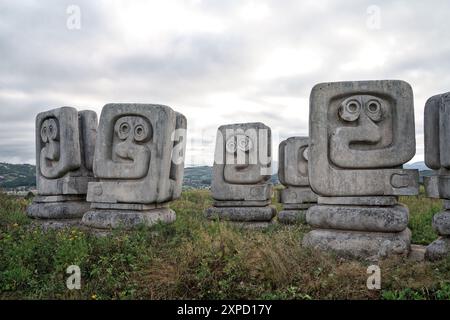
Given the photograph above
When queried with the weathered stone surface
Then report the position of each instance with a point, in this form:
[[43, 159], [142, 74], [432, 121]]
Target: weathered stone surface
[[139, 155], [139, 162], [241, 213], [441, 223], [438, 249], [446, 204], [247, 203], [295, 206], [358, 201], [297, 195], [360, 133], [293, 171], [65, 140], [58, 210], [292, 216], [357, 244], [111, 219], [360, 218], [242, 163]]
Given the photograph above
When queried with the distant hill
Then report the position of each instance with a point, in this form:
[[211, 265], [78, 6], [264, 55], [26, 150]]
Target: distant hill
[[197, 177]]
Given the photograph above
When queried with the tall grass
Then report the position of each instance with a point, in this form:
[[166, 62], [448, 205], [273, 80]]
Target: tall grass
[[197, 259]]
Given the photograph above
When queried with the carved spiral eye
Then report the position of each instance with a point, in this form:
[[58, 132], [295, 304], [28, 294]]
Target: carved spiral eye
[[350, 110], [374, 111], [231, 146], [52, 129], [244, 143], [44, 133], [140, 133], [124, 130]]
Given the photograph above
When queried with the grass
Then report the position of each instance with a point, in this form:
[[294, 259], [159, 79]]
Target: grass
[[196, 259]]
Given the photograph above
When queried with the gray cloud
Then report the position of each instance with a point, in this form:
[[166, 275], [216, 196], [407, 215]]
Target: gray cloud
[[215, 61]]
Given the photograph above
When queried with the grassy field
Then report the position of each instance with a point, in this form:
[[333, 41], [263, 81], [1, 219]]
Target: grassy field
[[196, 259]]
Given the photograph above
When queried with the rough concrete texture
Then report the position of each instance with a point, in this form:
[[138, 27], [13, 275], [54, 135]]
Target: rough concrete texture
[[438, 249], [360, 133], [65, 140], [357, 244], [359, 218], [241, 213], [437, 157], [111, 219], [139, 162], [441, 223], [242, 163], [139, 156], [358, 201], [293, 174], [248, 203], [58, 210], [292, 216]]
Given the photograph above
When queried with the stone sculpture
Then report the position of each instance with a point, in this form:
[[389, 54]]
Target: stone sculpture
[[241, 172], [65, 141], [297, 197], [139, 164], [437, 157], [361, 133]]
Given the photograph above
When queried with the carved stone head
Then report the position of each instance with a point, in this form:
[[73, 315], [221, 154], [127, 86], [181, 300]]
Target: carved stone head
[[437, 143], [65, 140], [139, 155], [293, 162], [361, 134], [242, 158]]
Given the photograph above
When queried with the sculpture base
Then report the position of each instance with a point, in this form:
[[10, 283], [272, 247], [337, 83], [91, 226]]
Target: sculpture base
[[441, 223], [292, 216], [241, 214], [127, 219], [64, 208], [438, 249], [359, 245]]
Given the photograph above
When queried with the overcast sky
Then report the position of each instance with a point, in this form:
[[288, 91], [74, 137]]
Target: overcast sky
[[215, 61]]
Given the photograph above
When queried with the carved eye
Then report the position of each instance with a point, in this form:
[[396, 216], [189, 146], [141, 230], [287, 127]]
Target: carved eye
[[140, 133], [231, 145], [306, 153], [350, 110], [52, 129], [124, 130], [244, 143], [44, 133], [373, 108]]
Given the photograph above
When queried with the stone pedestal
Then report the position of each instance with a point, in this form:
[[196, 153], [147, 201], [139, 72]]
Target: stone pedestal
[[247, 215], [296, 201], [440, 248], [358, 228], [127, 216]]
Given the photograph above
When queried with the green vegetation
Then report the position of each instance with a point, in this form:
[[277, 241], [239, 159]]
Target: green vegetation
[[194, 258], [17, 175]]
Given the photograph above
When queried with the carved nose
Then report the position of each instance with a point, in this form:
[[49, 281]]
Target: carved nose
[[368, 130], [52, 150], [124, 149]]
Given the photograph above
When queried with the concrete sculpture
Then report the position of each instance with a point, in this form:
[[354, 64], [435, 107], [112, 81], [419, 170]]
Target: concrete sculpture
[[139, 164], [361, 133], [297, 197]]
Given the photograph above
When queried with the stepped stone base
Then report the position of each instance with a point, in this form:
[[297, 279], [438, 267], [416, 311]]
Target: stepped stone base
[[241, 214], [70, 209], [358, 244], [127, 219]]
